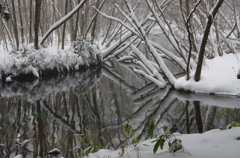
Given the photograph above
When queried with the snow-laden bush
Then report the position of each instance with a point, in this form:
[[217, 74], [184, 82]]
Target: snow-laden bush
[[87, 50], [31, 61]]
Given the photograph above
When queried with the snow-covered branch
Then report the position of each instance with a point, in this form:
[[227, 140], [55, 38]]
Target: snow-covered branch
[[61, 21]]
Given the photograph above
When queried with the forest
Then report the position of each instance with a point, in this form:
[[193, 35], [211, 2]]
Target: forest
[[195, 29], [119, 78]]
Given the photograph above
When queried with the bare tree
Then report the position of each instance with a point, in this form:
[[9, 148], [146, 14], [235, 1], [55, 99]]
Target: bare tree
[[211, 16]]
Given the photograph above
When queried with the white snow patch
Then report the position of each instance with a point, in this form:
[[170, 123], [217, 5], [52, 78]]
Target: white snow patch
[[8, 79], [219, 76], [34, 72], [18, 156], [212, 144]]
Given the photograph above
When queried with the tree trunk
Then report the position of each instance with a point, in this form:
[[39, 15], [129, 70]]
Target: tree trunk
[[15, 30], [30, 22], [37, 22], [220, 53], [4, 34], [109, 27], [94, 19], [71, 24], [21, 20], [205, 38], [83, 20], [190, 35], [76, 25], [198, 116], [25, 21], [94, 23], [64, 25], [54, 16]]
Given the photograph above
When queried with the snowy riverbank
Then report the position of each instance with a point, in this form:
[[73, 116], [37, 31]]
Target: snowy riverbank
[[30, 63], [219, 76]]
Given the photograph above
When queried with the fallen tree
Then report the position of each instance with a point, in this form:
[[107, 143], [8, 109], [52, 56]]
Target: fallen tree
[[193, 33]]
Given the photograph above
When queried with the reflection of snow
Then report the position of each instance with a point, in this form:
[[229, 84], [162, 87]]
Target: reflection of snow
[[35, 90]]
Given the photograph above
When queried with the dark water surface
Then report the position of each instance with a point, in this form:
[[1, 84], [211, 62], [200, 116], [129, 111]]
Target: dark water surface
[[59, 113]]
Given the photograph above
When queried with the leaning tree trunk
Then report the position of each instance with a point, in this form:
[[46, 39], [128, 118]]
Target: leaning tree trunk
[[211, 16]]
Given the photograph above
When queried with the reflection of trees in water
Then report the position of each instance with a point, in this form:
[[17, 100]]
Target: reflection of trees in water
[[187, 116], [80, 106]]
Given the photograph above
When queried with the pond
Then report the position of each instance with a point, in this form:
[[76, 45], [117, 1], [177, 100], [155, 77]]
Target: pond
[[69, 111]]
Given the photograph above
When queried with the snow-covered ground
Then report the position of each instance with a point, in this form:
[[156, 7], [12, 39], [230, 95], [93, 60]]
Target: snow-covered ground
[[219, 76], [212, 144]]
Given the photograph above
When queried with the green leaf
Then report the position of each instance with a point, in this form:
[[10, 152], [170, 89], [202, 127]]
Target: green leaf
[[108, 146], [165, 128], [156, 146], [177, 148], [135, 140], [154, 141], [223, 111], [70, 149], [169, 144], [162, 141], [99, 145], [86, 153], [61, 142], [151, 128], [128, 129]]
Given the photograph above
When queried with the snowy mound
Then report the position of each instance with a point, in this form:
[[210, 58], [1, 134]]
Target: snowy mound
[[219, 76], [212, 144], [34, 63]]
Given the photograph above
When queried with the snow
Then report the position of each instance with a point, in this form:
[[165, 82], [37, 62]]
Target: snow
[[212, 144], [34, 72], [8, 79], [30, 61], [18, 156], [219, 76]]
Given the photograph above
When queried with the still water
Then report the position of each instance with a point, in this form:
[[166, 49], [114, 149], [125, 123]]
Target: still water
[[66, 112]]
